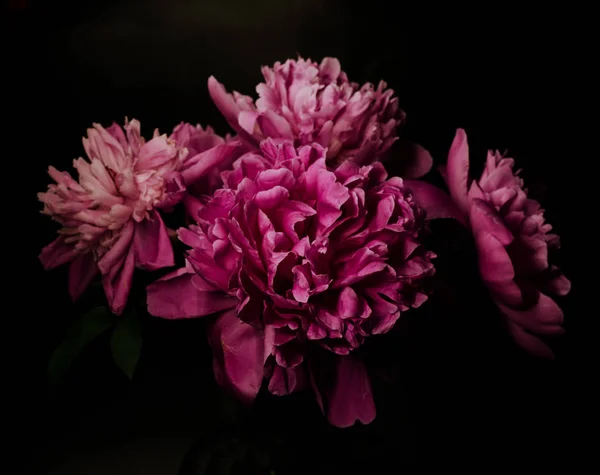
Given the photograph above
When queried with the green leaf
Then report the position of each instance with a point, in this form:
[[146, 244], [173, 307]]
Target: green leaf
[[78, 336], [126, 343]]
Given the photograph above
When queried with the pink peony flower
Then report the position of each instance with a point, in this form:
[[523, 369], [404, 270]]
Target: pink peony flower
[[109, 217], [208, 154], [299, 257], [513, 241], [308, 102]]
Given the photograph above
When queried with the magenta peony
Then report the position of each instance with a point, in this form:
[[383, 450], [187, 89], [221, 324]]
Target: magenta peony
[[308, 102], [299, 256], [513, 241], [109, 217]]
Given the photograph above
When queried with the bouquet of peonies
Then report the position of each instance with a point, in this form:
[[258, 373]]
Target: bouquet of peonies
[[300, 246]]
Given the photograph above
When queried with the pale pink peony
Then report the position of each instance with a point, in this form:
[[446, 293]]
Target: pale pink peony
[[513, 241], [299, 257], [109, 217], [307, 102]]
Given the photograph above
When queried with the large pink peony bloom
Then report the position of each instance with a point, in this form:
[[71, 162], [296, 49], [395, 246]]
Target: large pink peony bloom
[[299, 257], [309, 102], [109, 217], [513, 241]]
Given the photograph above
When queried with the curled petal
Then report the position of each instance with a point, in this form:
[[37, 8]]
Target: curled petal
[[559, 286], [174, 191], [223, 101], [272, 198], [458, 170], [228, 106], [57, 253]]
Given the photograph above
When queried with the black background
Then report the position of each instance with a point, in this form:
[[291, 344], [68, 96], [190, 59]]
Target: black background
[[465, 396]]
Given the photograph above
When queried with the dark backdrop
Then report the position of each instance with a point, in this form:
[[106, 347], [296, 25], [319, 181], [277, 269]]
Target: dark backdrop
[[465, 395]]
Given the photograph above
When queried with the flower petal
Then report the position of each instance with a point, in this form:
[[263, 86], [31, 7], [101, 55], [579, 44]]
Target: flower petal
[[348, 398], [155, 153], [348, 305], [272, 198], [175, 296], [238, 355], [82, 271], [529, 342], [118, 250], [544, 317], [414, 160], [247, 121], [458, 170], [174, 191], [506, 292], [285, 381], [494, 262], [57, 253], [436, 203], [484, 218], [192, 206], [301, 286], [228, 107], [559, 286], [194, 167], [273, 125], [152, 244], [117, 283]]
